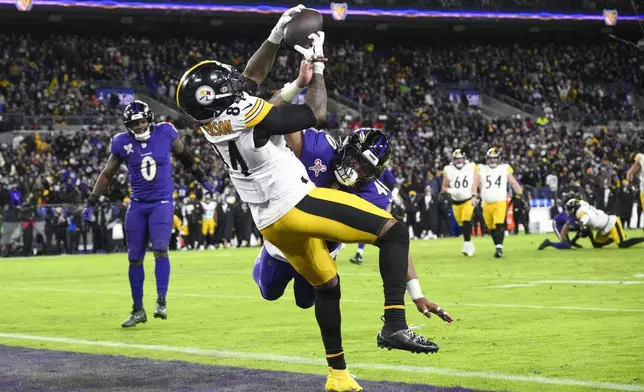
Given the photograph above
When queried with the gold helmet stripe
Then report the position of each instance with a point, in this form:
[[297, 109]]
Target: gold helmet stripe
[[185, 75]]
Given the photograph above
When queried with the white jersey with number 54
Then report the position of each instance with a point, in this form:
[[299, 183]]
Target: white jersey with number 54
[[494, 182], [269, 178], [461, 180]]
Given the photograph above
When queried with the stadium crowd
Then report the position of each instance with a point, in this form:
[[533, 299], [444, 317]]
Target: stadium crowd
[[402, 88]]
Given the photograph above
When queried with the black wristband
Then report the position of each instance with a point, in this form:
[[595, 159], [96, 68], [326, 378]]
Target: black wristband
[[92, 200]]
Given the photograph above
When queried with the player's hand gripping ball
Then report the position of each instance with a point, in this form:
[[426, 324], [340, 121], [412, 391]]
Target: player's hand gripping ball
[[302, 24]]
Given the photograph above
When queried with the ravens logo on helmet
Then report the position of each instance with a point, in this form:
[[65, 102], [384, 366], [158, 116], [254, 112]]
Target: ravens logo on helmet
[[363, 156], [139, 120]]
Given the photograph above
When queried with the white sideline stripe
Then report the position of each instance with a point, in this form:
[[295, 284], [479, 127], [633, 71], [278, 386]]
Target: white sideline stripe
[[259, 298], [588, 282], [317, 362], [538, 282], [639, 275], [510, 286]]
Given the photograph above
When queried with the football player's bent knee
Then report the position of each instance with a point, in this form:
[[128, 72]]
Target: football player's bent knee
[[330, 284], [328, 292], [160, 253], [272, 293], [136, 262], [396, 232]]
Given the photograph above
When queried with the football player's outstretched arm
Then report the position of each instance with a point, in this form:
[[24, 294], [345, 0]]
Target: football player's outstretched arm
[[287, 94], [637, 166], [515, 185], [102, 183], [424, 306], [105, 178], [188, 161], [445, 185], [261, 62]]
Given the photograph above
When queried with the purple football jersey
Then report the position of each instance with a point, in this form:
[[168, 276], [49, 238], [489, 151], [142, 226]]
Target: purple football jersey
[[148, 162], [318, 151]]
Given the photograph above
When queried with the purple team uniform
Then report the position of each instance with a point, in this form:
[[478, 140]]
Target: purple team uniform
[[559, 222], [318, 151], [151, 212]]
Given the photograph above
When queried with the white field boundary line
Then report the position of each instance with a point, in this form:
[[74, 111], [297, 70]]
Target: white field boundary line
[[259, 298], [317, 362], [588, 282]]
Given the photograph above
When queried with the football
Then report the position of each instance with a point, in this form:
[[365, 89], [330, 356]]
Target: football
[[304, 23]]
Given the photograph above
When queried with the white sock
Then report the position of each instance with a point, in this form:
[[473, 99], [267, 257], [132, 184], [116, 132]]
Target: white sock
[[360, 251]]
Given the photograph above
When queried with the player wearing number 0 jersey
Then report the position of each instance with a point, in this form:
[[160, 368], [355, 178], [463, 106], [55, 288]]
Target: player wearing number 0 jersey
[[146, 149], [461, 180], [638, 170], [287, 208], [494, 179]]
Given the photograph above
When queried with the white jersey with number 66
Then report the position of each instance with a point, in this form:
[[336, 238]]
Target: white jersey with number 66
[[461, 180]]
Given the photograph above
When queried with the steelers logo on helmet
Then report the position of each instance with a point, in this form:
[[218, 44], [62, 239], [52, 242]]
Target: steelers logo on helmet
[[205, 95], [207, 89]]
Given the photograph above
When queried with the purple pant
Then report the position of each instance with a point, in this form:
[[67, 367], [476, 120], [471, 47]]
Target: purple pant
[[145, 221], [272, 277]]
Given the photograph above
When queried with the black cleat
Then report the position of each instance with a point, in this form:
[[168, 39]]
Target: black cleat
[[137, 316], [356, 259], [546, 243], [499, 253], [406, 340], [161, 310]]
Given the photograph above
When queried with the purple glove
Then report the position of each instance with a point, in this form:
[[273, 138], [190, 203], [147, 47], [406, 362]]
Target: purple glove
[[208, 187], [88, 214]]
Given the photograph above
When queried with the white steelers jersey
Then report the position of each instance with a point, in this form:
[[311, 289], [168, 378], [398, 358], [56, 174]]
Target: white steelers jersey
[[208, 209], [640, 158], [273, 251], [494, 182], [269, 178], [595, 218], [461, 180]]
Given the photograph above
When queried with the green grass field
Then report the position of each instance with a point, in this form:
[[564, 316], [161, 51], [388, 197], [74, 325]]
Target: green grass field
[[581, 318]]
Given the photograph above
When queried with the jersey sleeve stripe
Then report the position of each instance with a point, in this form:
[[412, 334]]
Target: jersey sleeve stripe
[[252, 111], [259, 116]]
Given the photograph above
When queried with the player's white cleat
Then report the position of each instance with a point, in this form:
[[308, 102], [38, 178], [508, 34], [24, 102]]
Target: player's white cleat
[[468, 248], [201, 247]]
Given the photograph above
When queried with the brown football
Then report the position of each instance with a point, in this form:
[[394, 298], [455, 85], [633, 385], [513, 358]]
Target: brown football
[[304, 23]]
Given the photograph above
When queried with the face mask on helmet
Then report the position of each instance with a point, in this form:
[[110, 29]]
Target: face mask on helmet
[[138, 120], [459, 162], [140, 129], [356, 167]]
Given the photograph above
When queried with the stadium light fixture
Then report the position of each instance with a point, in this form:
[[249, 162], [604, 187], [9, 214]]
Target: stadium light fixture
[[373, 12]]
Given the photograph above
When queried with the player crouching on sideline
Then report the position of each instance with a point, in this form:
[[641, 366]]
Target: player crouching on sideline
[[638, 170], [146, 149], [248, 135], [460, 181], [608, 228], [562, 225], [494, 190]]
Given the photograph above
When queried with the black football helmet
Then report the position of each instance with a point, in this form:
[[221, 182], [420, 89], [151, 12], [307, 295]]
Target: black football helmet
[[139, 120], [207, 89], [572, 206], [363, 156]]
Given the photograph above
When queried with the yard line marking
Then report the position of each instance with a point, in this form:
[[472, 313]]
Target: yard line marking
[[318, 362], [510, 286], [627, 282], [538, 282], [639, 275], [286, 297]]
